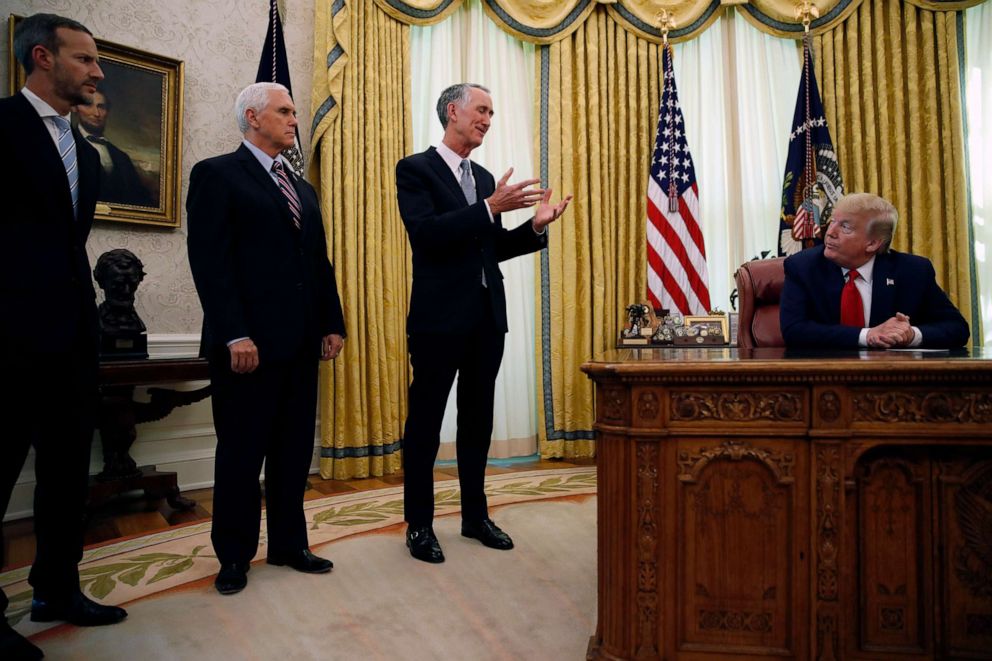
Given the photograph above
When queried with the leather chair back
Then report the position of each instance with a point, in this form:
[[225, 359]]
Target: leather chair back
[[759, 287]]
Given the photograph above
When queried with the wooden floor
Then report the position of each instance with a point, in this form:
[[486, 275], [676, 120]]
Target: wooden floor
[[131, 515]]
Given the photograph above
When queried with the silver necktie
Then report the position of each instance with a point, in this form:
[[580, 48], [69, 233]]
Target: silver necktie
[[466, 182]]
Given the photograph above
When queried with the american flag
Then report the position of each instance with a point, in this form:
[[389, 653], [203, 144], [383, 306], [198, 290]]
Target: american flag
[[677, 275]]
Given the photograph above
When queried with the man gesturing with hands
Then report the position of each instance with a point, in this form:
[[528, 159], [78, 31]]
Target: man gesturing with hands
[[451, 208]]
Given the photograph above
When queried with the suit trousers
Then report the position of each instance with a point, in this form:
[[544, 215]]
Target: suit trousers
[[475, 356], [268, 415], [51, 406]]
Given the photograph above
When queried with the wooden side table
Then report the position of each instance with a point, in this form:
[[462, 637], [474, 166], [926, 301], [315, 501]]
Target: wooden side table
[[119, 414]]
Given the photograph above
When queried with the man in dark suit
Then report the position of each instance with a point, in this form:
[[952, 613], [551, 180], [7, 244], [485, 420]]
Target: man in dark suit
[[451, 208], [120, 182], [48, 331], [853, 291], [271, 309]]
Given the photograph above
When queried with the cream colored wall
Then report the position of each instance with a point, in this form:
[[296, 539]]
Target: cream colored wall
[[220, 42]]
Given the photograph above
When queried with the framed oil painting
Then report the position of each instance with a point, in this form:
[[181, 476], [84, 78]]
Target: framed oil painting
[[135, 124]]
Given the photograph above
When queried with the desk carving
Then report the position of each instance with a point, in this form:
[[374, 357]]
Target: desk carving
[[763, 506]]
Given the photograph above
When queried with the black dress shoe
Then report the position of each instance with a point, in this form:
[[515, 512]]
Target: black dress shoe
[[233, 577], [303, 561], [77, 609], [14, 646], [488, 533], [423, 544]]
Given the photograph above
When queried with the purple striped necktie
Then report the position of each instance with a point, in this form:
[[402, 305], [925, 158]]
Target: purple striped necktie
[[286, 186], [67, 150]]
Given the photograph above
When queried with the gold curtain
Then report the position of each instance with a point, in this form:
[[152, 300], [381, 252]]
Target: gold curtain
[[360, 131], [598, 103], [890, 80]]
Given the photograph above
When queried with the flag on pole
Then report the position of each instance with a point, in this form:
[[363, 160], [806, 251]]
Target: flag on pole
[[677, 275], [812, 181], [273, 67]]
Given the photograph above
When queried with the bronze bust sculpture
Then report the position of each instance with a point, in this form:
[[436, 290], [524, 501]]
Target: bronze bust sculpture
[[118, 272]]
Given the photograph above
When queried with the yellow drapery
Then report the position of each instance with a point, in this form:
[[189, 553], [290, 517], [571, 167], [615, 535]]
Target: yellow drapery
[[890, 80], [598, 100], [361, 130], [602, 96]]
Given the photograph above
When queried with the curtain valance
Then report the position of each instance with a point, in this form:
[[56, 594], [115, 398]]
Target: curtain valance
[[548, 21]]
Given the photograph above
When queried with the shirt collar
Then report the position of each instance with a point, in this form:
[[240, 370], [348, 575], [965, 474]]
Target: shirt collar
[[41, 106], [264, 159], [451, 159], [865, 270]]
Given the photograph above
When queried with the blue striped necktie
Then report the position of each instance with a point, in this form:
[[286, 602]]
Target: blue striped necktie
[[286, 186], [67, 150]]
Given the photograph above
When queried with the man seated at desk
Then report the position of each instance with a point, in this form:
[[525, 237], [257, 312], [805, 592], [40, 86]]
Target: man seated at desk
[[853, 291]]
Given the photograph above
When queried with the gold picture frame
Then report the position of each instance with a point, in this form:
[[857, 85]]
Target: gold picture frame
[[710, 323], [143, 136]]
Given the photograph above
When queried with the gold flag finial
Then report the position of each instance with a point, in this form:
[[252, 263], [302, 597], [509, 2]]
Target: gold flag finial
[[806, 11], [666, 22]]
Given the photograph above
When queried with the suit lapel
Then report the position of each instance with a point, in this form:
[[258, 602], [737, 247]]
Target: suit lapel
[[38, 142], [264, 179], [834, 279], [482, 188], [882, 294], [445, 174]]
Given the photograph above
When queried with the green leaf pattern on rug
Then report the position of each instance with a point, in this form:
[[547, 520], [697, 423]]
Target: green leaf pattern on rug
[[101, 580], [357, 514], [19, 607]]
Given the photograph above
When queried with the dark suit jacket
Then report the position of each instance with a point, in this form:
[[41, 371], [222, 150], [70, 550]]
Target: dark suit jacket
[[258, 276], [810, 304], [123, 185], [453, 242], [45, 278]]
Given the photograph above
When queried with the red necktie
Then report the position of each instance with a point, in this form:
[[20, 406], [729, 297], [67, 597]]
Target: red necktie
[[852, 310]]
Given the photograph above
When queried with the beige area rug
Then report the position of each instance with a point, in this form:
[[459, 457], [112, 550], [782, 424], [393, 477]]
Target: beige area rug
[[537, 601]]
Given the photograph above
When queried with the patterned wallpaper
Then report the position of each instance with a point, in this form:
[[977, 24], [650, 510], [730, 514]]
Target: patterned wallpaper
[[220, 42]]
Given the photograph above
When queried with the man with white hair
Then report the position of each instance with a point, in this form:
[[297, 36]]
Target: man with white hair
[[853, 291], [270, 310]]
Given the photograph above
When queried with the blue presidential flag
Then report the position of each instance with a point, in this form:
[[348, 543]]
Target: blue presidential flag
[[273, 67], [812, 181]]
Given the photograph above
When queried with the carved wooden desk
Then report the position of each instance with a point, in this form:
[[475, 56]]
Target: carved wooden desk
[[119, 414], [760, 505]]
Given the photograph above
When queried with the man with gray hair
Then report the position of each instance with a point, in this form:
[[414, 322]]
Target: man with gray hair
[[48, 332], [853, 291], [270, 310], [451, 208]]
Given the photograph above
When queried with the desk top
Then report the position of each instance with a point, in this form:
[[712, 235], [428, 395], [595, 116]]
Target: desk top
[[717, 363]]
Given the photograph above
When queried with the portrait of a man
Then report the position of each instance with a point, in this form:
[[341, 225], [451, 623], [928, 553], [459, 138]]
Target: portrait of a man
[[124, 124], [120, 182]]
